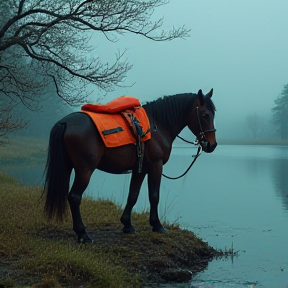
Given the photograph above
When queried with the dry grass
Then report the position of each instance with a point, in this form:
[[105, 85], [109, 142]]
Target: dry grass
[[35, 253], [31, 258], [23, 149]]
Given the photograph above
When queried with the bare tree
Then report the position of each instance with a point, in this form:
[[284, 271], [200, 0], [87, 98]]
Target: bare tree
[[8, 120], [253, 123], [44, 41]]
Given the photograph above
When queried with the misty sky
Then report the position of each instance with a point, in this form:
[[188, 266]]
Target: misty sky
[[239, 48]]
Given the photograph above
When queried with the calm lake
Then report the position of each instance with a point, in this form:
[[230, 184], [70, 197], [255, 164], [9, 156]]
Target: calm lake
[[235, 197]]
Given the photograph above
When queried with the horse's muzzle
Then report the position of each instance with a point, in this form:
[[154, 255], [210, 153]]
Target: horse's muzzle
[[207, 147]]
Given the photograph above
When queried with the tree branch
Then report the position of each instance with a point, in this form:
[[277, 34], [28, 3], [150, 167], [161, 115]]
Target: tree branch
[[45, 43]]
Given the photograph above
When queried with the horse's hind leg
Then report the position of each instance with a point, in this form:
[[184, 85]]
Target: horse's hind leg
[[135, 185], [80, 183]]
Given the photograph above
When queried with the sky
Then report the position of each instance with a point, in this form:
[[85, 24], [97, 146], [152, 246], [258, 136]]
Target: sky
[[238, 48]]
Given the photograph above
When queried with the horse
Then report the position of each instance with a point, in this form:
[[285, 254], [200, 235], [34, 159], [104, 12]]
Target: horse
[[75, 143]]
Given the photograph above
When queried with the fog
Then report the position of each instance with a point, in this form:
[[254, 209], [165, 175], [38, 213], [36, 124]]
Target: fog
[[239, 48]]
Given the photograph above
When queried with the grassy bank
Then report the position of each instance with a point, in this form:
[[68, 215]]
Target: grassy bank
[[22, 150], [35, 253]]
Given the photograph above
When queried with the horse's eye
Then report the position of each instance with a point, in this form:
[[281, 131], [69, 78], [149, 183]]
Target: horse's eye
[[206, 116]]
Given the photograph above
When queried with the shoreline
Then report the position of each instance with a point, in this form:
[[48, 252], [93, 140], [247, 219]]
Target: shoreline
[[37, 253]]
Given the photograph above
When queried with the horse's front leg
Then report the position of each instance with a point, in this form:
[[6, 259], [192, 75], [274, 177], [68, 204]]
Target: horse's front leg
[[154, 180], [134, 189]]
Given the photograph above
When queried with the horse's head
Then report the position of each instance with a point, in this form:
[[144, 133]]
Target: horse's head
[[201, 122]]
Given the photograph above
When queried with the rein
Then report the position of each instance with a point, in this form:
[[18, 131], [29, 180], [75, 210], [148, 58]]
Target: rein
[[199, 151], [200, 138]]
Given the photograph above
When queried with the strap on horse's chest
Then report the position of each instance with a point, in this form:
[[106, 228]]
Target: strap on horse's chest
[[139, 133]]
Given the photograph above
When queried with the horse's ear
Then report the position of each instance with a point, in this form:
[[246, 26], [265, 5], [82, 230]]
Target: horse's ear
[[201, 97], [210, 93]]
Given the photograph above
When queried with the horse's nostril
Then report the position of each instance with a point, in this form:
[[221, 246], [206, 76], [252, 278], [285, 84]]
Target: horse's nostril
[[213, 146], [208, 148]]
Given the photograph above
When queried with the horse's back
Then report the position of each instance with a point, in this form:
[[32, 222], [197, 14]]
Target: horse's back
[[82, 141], [77, 121], [87, 150]]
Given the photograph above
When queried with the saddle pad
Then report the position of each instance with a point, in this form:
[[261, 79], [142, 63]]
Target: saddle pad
[[115, 130], [119, 104]]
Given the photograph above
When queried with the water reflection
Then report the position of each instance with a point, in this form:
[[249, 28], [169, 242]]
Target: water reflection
[[247, 214], [280, 177], [263, 164]]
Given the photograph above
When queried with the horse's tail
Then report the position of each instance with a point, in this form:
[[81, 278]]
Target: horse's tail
[[58, 170]]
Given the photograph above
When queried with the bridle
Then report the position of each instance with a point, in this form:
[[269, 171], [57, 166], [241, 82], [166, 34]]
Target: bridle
[[201, 136], [200, 139]]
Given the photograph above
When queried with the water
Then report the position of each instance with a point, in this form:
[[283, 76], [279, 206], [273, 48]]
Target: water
[[235, 197]]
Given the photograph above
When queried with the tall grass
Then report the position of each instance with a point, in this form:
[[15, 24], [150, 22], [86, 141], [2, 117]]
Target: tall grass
[[26, 242]]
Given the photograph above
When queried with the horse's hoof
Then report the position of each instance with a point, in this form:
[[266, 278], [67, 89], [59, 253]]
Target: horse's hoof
[[85, 239], [129, 229], [159, 229]]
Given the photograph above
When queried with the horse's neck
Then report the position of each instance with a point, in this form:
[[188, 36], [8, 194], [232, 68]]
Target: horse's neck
[[172, 131], [175, 119], [181, 114]]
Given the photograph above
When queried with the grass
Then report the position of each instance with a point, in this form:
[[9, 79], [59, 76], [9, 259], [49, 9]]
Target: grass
[[36, 256], [36, 253], [23, 149]]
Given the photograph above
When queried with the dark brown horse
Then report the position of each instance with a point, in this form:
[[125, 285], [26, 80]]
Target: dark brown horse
[[76, 144]]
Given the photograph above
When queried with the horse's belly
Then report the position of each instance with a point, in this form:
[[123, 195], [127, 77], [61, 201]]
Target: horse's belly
[[120, 171], [118, 160]]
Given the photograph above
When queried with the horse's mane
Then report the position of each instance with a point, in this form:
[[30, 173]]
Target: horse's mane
[[170, 109], [173, 109]]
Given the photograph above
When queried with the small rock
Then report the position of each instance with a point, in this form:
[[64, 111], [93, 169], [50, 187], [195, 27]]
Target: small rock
[[176, 275], [160, 263]]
